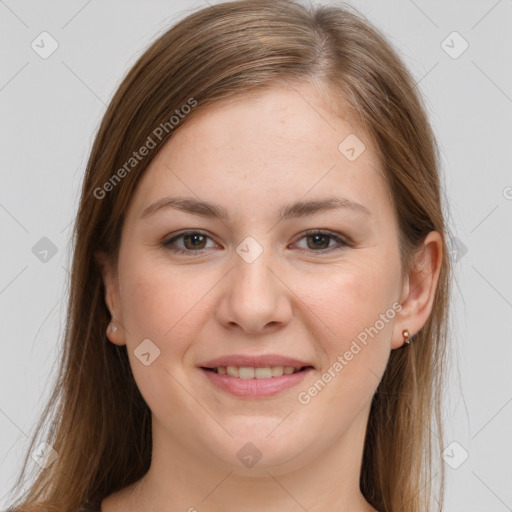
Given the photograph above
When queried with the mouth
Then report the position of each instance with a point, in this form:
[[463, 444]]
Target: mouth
[[255, 382], [253, 376], [251, 372]]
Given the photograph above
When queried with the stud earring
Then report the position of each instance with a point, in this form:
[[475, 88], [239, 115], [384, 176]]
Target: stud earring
[[113, 327], [406, 335]]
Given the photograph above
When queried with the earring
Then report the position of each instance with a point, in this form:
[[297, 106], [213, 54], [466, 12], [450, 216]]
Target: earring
[[406, 335], [112, 327]]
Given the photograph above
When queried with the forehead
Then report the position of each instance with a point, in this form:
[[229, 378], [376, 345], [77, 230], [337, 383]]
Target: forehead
[[285, 120], [281, 143]]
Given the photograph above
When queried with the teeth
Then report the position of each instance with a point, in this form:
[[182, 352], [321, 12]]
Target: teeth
[[277, 371], [247, 372], [263, 373], [232, 371]]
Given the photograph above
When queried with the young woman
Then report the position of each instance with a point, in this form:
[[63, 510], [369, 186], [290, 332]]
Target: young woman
[[260, 285]]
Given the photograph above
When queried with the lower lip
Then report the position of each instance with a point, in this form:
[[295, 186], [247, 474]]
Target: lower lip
[[255, 388]]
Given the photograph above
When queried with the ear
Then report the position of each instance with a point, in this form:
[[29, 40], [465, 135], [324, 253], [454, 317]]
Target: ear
[[111, 284], [419, 289]]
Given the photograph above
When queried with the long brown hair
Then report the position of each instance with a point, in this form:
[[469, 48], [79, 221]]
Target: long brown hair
[[99, 424]]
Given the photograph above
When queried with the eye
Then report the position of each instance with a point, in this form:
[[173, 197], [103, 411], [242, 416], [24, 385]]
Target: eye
[[196, 241], [321, 239]]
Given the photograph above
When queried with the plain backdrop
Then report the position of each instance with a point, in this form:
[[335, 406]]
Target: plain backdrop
[[460, 53]]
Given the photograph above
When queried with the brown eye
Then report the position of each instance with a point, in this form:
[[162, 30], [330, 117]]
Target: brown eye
[[320, 241], [189, 242], [194, 241]]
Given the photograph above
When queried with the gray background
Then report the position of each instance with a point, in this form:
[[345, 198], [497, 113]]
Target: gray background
[[51, 108]]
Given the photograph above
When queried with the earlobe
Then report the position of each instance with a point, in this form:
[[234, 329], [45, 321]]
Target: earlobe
[[419, 290], [114, 334]]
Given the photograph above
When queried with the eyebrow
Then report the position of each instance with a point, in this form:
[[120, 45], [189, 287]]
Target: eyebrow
[[294, 210]]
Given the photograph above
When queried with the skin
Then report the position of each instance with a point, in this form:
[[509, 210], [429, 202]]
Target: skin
[[300, 297]]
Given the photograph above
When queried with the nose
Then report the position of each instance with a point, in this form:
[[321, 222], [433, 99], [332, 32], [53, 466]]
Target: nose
[[255, 297]]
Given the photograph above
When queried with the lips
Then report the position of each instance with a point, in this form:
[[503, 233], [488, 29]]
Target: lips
[[261, 387], [255, 361], [255, 376]]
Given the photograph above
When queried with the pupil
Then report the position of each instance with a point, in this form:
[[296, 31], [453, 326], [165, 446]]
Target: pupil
[[316, 237], [195, 238]]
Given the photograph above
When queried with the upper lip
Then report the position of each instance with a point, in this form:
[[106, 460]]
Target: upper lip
[[254, 361]]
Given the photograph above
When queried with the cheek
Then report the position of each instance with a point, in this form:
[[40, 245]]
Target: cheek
[[351, 298], [158, 303], [352, 319], [356, 306], [144, 297]]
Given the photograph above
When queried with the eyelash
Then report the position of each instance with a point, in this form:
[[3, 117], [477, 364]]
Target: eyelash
[[342, 243]]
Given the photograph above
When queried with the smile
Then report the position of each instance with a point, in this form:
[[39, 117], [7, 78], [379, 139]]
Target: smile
[[255, 382]]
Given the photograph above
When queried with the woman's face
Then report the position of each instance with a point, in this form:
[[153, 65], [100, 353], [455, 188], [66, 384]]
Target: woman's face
[[254, 284]]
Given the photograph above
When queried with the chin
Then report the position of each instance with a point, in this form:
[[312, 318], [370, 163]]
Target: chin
[[252, 451]]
